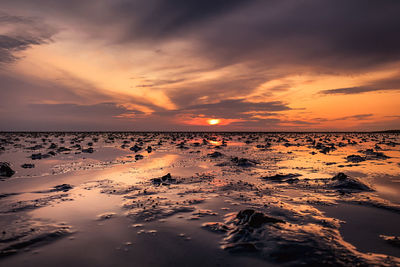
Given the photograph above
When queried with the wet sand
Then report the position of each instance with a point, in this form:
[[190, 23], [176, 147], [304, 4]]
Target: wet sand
[[199, 199]]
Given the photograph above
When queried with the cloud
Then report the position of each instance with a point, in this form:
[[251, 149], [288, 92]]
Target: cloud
[[235, 108], [162, 19], [356, 117], [101, 110], [266, 33], [19, 33], [313, 34], [388, 84]]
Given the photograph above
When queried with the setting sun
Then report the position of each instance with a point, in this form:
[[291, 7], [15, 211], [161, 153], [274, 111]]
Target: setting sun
[[214, 121]]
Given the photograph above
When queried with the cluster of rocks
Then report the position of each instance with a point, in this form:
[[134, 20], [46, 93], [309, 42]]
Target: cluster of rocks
[[163, 180]]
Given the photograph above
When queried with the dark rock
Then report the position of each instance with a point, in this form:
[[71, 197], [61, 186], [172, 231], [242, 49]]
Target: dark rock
[[243, 162], [345, 183], [254, 219], [135, 148], [166, 177], [28, 166], [5, 170], [355, 158], [39, 156], [53, 146], [290, 177], [215, 154], [138, 157], [215, 227], [244, 229], [88, 150], [36, 147], [62, 187], [63, 149], [371, 154], [340, 176], [182, 146], [164, 180]]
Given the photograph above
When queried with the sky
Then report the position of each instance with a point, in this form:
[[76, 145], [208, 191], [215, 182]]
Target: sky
[[205, 65]]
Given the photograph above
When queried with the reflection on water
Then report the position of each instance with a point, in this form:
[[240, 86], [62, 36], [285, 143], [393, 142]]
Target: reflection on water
[[263, 194]]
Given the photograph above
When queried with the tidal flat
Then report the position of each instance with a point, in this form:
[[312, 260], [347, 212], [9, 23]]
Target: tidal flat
[[199, 199]]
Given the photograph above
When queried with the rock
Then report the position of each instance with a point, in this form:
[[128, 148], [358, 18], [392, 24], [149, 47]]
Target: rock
[[106, 216], [243, 162], [166, 177], [371, 154], [36, 156], [289, 178], [182, 146], [345, 183], [215, 154], [243, 230], [340, 176], [63, 149], [88, 150], [215, 227], [355, 158], [164, 180], [62, 187], [135, 148], [138, 157], [5, 170], [254, 219], [28, 166], [36, 147], [53, 146], [39, 156]]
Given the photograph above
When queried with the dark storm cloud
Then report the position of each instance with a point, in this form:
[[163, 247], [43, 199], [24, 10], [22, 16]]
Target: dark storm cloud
[[19, 34], [379, 85], [332, 34], [158, 19]]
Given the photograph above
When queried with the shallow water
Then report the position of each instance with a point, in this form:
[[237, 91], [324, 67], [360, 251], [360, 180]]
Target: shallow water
[[263, 199]]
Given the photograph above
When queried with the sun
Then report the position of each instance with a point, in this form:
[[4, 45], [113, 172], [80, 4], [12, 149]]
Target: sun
[[214, 121]]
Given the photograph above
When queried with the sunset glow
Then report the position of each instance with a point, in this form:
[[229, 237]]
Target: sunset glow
[[112, 69], [214, 121]]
